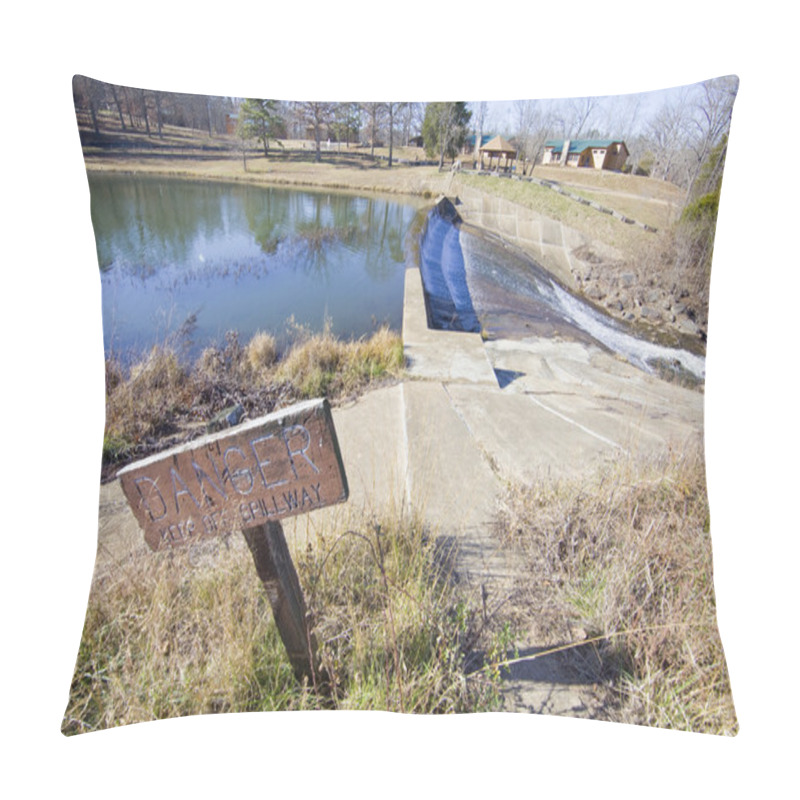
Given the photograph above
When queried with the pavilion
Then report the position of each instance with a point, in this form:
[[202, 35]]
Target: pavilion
[[498, 148]]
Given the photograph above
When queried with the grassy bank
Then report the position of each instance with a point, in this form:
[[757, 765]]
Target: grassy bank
[[624, 563], [181, 153], [186, 632], [628, 239], [159, 401]]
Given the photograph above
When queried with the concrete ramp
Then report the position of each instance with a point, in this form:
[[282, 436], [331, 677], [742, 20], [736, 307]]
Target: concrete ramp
[[481, 415], [439, 355]]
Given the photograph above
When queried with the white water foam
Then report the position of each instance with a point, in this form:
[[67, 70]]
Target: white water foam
[[531, 281], [638, 351]]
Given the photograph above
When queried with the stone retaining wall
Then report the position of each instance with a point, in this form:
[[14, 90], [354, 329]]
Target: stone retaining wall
[[599, 272]]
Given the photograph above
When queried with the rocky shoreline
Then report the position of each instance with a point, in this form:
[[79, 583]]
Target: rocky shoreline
[[630, 294]]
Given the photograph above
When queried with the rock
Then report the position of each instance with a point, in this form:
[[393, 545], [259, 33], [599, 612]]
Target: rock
[[595, 292], [648, 312], [627, 278], [226, 418]]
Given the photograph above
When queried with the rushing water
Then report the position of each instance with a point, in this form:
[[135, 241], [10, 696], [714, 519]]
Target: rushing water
[[191, 261], [475, 282]]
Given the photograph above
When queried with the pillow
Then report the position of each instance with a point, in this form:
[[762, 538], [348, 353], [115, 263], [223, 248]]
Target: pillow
[[404, 407]]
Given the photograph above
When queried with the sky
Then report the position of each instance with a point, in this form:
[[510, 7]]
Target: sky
[[502, 113]]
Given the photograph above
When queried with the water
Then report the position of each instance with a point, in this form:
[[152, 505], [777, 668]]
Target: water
[[188, 261], [510, 296]]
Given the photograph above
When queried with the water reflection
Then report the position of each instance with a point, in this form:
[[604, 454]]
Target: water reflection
[[243, 258]]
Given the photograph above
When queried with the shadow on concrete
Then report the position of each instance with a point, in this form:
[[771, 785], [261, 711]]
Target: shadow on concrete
[[507, 376]]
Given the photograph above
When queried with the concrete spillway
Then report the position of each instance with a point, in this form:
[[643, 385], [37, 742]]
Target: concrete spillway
[[475, 282]]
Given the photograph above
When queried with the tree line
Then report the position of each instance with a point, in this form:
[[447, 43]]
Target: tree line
[[680, 139]]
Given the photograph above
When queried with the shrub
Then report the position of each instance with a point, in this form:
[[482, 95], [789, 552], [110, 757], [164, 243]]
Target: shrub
[[144, 405]]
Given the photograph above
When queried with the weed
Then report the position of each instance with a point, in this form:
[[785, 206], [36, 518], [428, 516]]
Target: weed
[[170, 634], [159, 400], [627, 559], [261, 352]]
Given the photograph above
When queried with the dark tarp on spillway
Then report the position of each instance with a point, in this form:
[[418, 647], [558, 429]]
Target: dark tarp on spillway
[[444, 275]]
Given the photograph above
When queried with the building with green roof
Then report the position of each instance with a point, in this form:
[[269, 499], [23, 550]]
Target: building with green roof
[[594, 153]]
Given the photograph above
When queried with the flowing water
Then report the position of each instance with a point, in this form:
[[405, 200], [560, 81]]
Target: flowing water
[[186, 262], [475, 282]]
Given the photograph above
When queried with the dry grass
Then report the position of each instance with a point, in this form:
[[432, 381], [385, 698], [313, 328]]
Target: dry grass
[[627, 239], [613, 183], [186, 632], [182, 153], [627, 559], [261, 352], [159, 401], [323, 365], [142, 406]]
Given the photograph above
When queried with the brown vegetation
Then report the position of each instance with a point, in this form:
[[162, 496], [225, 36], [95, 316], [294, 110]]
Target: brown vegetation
[[190, 631], [160, 402], [624, 562]]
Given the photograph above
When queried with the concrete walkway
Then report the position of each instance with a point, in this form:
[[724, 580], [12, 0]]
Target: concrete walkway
[[471, 417]]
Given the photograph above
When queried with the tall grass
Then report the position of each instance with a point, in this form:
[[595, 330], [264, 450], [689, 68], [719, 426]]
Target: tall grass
[[160, 400], [187, 632], [323, 365], [627, 561]]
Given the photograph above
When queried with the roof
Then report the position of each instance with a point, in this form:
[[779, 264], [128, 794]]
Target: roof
[[579, 145], [499, 145], [484, 139]]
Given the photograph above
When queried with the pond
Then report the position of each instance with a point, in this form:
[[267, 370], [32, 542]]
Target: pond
[[184, 262]]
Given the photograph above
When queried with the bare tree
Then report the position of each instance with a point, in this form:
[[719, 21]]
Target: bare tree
[[159, 115], [143, 102], [666, 132], [412, 116], [118, 104], [374, 112], [91, 95], [479, 112], [579, 112], [393, 110], [533, 125], [317, 115], [709, 121]]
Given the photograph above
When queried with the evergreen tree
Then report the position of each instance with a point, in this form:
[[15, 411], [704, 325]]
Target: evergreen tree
[[259, 119], [444, 129]]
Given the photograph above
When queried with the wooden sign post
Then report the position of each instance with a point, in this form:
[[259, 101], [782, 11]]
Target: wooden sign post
[[247, 478]]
